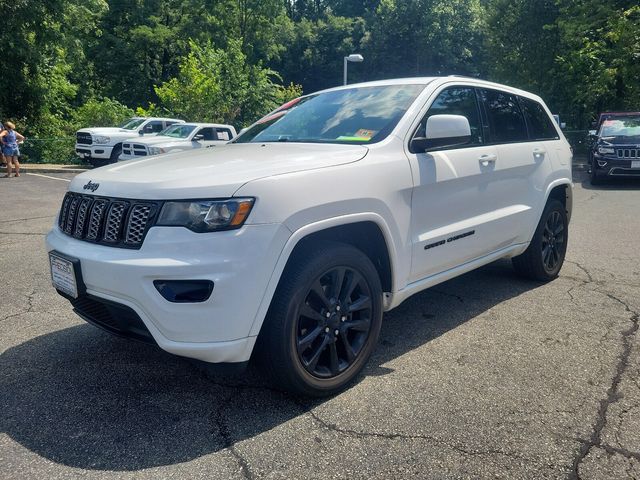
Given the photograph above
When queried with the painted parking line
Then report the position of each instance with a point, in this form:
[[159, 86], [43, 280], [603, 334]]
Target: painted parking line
[[47, 176]]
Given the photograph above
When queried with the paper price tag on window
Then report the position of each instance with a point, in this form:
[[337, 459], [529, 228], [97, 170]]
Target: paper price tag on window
[[364, 133]]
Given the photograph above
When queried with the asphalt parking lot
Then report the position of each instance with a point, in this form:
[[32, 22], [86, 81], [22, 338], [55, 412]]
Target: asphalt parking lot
[[485, 376]]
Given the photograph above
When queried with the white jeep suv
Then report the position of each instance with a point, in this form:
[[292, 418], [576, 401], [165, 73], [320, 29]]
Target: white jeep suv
[[178, 138], [289, 243], [103, 145]]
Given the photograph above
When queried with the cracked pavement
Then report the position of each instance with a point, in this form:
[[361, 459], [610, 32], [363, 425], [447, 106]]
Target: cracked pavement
[[484, 376]]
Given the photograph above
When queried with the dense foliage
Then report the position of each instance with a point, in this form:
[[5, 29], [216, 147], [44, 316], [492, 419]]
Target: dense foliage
[[71, 63]]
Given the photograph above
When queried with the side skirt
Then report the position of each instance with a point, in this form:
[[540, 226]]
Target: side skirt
[[392, 300]]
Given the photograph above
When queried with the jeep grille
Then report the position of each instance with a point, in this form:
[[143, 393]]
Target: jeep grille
[[628, 152], [108, 221]]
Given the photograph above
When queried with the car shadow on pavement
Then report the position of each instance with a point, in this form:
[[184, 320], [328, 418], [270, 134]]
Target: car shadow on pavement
[[85, 399], [611, 183]]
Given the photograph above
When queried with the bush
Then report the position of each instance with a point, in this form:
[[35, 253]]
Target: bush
[[101, 112], [53, 140]]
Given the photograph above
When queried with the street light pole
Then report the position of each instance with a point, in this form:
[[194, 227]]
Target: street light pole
[[354, 57], [344, 70]]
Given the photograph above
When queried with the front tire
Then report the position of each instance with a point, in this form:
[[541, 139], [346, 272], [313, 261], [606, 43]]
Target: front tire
[[324, 320], [594, 178], [115, 153], [98, 162], [544, 257]]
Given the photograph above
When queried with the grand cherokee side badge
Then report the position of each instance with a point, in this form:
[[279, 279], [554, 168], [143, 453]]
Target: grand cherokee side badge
[[449, 240], [91, 186]]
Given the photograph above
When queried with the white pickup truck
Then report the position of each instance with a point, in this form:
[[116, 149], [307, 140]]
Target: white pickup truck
[[178, 138], [103, 145]]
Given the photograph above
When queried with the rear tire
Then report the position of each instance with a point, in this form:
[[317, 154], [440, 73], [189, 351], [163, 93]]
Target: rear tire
[[323, 322], [544, 257]]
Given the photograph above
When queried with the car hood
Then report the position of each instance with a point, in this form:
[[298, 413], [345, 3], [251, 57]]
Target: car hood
[[210, 173], [107, 131], [155, 139], [635, 140]]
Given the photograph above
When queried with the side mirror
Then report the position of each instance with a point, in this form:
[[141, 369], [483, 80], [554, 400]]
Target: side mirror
[[443, 131], [198, 138], [141, 132]]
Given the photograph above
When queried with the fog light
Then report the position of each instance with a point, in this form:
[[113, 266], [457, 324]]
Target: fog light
[[602, 163], [184, 291]]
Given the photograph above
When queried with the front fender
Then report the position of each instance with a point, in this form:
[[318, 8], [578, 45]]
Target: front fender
[[304, 232]]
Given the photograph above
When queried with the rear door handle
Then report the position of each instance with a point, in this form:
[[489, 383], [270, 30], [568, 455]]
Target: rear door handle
[[485, 160], [539, 151]]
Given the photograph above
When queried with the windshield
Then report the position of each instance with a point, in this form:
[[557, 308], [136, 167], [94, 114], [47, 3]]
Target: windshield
[[177, 131], [354, 116], [621, 127], [132, 123]]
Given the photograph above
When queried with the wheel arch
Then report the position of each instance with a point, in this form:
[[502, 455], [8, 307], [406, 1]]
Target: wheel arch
[[561, 190], [367, 232], [113, 151]]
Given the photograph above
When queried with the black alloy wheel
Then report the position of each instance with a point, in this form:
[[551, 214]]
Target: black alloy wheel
[[334, 322], [324, 320], [544, 257], [553, 239]]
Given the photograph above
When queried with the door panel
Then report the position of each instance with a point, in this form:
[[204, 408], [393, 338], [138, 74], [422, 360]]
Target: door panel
[[472, 201], [453, 192], [522, 164], [453, 209]]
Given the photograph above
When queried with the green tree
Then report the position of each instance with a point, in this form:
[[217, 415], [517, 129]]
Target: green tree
[[216, 85], [425, 37], [600, 61], [316, 49], [36, 37], [523, 43]]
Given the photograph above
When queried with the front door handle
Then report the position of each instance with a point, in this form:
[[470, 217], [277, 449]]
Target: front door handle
[[538, 152], [486, 160]]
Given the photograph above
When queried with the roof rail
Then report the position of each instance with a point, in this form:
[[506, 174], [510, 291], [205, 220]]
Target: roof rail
[[464, 76]]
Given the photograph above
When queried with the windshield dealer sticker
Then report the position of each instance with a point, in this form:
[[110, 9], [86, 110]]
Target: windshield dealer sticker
[[361, 135]]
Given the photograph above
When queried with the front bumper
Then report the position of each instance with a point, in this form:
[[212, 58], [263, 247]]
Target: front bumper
[[93, 151], [239, 263], [124, 157], [616, 167]]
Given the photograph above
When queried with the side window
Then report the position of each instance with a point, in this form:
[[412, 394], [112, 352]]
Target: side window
[[506, 122], [540, 125], [208, 133], [456, 101], [223, 134], [153, 127]]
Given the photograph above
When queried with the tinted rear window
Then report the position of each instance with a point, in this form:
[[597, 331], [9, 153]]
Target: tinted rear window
[[506, 122], [540, 125]]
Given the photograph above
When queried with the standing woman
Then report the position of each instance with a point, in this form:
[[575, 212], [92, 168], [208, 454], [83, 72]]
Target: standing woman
[[4, 162], [10, 139]]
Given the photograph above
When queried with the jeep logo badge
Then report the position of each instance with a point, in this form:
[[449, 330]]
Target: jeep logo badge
[[91, 186]]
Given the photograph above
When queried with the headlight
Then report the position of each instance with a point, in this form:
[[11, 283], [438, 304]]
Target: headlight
[[101, 139], [606, 151], [206, 215], [156, 150]]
